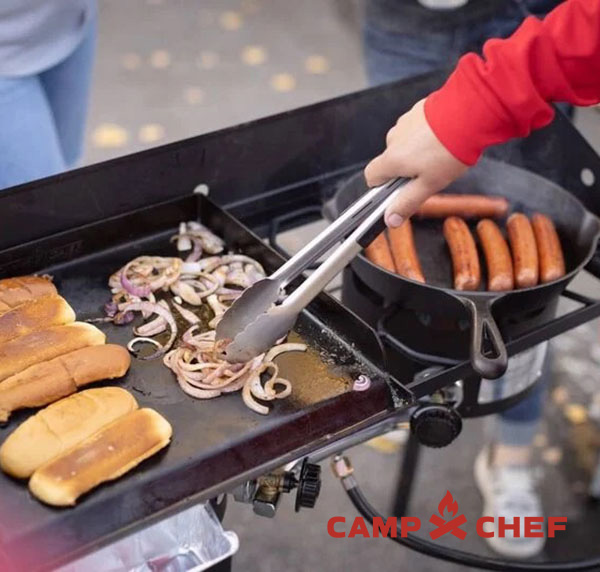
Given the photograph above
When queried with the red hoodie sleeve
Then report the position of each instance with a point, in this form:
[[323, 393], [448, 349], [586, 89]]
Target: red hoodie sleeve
[[507, 93]]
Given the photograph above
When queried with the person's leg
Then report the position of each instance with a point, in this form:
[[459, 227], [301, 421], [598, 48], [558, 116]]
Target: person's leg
[[503, 469], [517, 426], [516, 429], [67, 87], [29, 145], [391, 55]]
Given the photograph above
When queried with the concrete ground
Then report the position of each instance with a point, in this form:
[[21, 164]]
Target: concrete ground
[[170, 69]]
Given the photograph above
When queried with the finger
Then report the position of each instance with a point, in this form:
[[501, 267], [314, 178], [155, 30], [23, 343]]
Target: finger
[[390, 136], [382, 169], [409, 199]]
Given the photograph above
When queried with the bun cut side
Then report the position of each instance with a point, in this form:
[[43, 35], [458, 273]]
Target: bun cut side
[[42, 345], [17, 291], [60, 426], [35, 314], [49, 381], [104, 456]]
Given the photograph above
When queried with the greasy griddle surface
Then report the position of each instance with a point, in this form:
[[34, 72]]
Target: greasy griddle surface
[[212, 439]]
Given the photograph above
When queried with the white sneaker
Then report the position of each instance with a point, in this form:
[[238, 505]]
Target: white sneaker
[[508, 492]]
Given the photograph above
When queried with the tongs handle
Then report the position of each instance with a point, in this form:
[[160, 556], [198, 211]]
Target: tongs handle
[[371, 226], [335, 232]]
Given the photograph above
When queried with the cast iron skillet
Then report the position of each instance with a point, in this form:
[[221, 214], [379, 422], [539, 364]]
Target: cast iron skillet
[[527, 192]]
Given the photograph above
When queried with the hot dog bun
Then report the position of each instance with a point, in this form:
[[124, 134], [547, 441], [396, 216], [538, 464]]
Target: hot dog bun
[[36, 347], [60, 426], [35, 314], [16, 291], [466, 206], [104, 456], [46, 382]]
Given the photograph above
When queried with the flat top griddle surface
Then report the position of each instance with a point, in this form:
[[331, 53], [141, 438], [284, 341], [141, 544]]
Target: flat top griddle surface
[[215, 441]]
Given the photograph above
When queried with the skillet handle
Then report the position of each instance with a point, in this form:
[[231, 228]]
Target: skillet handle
[[593, 266], [484, 325]]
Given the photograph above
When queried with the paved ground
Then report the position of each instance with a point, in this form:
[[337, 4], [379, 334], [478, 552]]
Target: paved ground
[[169, 69]]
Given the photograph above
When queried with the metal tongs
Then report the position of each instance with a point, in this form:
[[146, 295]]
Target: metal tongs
[[254, 322]]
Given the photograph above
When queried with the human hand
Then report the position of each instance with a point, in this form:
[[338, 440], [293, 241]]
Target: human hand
[[413, 151]]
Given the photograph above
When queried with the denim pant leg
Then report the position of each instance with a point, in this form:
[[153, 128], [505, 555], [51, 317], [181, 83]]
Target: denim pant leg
[[43, 118], [67, 87], [29, 145], [518, 425], [391, 56]]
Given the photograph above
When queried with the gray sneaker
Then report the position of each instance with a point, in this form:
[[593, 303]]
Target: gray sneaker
[[508, 492]]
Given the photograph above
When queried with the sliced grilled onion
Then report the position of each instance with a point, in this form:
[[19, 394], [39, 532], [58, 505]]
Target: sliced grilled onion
[[183, 241], [249, 399], [139, 291], [161, 311], [111, 308], [186, 292], [196, 251], [187, 314], [140, 340], [282, 348], [199, 363]]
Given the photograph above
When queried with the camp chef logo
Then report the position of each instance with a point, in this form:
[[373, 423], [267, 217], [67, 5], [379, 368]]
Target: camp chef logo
[[451, 526], [448, 521]]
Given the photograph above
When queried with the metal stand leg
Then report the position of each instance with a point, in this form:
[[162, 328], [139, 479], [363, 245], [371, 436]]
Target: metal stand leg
[[408, 469]]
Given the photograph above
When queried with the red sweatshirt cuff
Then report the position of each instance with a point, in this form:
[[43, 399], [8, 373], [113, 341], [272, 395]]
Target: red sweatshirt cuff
[[461, 119]]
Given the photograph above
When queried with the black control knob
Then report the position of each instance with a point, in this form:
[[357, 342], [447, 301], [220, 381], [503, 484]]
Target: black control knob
[[309, 486], [435, 425]]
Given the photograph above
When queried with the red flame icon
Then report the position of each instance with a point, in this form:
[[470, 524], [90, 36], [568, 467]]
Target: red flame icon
[[448, 503], [453, 524]]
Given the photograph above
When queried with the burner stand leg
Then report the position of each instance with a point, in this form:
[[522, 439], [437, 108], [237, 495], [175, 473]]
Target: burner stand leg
[[408, 469]]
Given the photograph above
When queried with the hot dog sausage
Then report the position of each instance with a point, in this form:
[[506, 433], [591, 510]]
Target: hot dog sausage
[[552, 260], [405, 256], [379, 253], [497, 256], [466, 206], [524, 250], [465, 261]]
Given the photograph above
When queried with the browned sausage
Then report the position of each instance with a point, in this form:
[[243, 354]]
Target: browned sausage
[[524, 250], [497, 256], [465, 261], [402, 243], [466, 206], [379, 253], [552, 260]]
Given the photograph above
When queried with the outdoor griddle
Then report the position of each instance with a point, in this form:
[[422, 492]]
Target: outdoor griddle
[[83, 225]]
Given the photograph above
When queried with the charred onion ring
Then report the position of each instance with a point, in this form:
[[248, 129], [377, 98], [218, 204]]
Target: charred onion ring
[[161, 311]]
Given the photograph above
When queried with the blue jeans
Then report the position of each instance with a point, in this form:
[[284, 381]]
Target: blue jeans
[[394, 49], [42, 117], [391, 55]]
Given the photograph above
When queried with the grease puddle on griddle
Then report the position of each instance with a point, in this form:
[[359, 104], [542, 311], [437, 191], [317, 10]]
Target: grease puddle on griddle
[[312, 379]]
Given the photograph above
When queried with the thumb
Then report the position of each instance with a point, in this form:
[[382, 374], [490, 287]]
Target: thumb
[[409, 199]]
